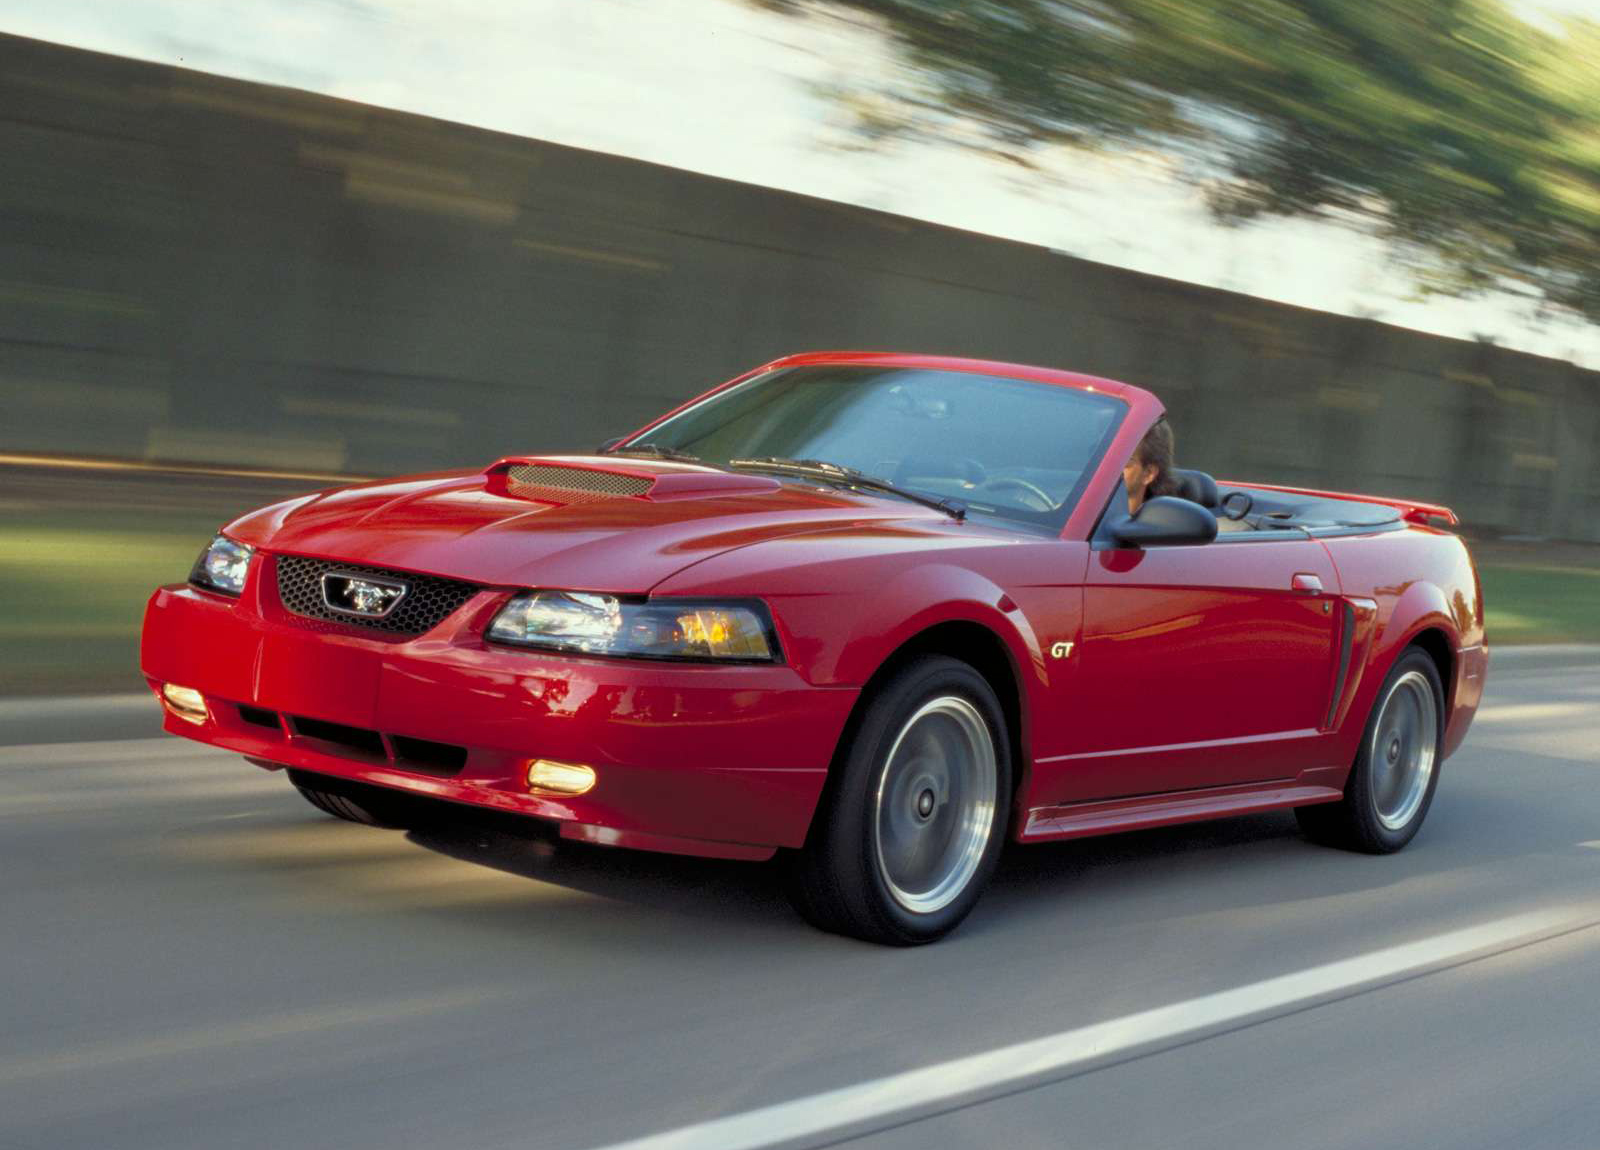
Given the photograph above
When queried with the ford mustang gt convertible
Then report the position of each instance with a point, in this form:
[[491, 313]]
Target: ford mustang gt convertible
[[877, 613]]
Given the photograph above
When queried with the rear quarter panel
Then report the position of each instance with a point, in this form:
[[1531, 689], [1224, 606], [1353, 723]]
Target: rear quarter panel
[[1419, 579]]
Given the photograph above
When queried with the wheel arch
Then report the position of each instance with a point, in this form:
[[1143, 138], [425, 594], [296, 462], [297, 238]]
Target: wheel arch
[[981, 647], [1421, 617], [1436, 644], [1418, 620]]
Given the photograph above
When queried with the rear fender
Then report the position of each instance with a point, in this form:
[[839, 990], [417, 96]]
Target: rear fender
[[1418, 607]]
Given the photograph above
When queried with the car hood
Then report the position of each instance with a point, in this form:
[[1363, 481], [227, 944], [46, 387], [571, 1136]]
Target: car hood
[[487, 527]]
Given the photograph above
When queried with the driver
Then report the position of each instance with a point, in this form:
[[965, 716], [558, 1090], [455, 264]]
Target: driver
[[1150, 472]]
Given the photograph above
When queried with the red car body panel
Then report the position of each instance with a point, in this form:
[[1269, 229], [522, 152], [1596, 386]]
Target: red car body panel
[[1147, 686], [674, 750]]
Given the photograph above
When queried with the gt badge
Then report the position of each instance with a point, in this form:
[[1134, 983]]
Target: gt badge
[[1060, 650], [363, 595]]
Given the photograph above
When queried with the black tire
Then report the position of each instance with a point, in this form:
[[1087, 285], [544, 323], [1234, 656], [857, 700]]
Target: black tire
[[1373, 816], [863, 843], [374, 810]]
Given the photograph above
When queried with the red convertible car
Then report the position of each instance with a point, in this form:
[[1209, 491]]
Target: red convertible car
[[876, 612]]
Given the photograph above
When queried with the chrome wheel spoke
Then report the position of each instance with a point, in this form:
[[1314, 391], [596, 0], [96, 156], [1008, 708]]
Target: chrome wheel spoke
[[1404, 750], [935, 802]]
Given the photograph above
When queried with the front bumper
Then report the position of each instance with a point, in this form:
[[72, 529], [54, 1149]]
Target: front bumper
[[722, 761]]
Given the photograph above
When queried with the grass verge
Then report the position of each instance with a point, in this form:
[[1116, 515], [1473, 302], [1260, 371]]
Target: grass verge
[[1534, 604], [72, 602]]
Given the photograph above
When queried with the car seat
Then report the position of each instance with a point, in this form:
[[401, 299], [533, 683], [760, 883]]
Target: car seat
[[1195, 486]]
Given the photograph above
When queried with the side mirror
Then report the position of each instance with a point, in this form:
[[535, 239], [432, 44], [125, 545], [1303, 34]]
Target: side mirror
[[610, 443], [1166, 521]]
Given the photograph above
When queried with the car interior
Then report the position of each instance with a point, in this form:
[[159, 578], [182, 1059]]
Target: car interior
[[1242, 513], [1247, 510]]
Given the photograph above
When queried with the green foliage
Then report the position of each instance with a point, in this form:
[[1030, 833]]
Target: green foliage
[[1527, 604], [1467, 137]]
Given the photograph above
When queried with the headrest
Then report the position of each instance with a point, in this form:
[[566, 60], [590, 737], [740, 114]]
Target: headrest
[[1195, 486]]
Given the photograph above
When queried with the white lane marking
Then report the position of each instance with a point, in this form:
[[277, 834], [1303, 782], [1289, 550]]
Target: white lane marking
[[1526, 712], [853, 1111], [1592, 844]]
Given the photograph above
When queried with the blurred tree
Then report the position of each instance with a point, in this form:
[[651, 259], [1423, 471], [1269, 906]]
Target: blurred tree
[[1462, 134], [1571, 169]]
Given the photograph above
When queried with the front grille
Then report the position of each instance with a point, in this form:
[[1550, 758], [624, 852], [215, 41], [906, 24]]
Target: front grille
[[428, 598], [570, 480], [358, 739], [259, 717], [427, 756], [419, 756]]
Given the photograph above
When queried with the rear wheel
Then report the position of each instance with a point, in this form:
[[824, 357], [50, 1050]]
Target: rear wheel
[[1397, 769], [916, 817]]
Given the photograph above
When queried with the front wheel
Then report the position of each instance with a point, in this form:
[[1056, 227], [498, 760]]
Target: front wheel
[[355, 803], [1397, 769], [916, 817]]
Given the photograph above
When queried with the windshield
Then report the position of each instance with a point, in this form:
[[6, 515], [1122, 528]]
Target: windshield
[[1010, 449]]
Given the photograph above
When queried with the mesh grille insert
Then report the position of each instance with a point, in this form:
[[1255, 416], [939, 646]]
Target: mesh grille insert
[[428, 598], [551, 477]]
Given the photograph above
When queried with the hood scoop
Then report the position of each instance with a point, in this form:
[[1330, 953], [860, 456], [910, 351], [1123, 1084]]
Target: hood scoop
[[584, 479], [534, 477]]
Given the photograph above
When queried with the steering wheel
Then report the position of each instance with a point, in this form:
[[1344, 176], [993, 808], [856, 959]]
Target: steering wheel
[[1045, 503], [1227, 501], [925, 466]]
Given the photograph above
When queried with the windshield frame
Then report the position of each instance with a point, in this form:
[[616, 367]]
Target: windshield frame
[[1054, 526]]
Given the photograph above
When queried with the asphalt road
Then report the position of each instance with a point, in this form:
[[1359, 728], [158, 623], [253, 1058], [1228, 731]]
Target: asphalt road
[[193, 957]]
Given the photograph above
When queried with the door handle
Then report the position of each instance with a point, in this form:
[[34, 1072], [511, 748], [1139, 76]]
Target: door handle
[[1306, 583]]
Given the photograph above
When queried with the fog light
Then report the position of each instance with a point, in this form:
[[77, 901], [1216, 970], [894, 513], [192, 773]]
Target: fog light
[[185, 702], [560, 778]]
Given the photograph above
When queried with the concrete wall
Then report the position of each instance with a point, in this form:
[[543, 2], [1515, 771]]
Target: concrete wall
[[201, 269]]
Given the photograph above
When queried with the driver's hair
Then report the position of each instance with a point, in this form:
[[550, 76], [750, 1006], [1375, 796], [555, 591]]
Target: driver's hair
[[1158, 449]]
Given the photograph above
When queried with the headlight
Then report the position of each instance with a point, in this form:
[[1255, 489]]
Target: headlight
[[658, 629], [222, 566]]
